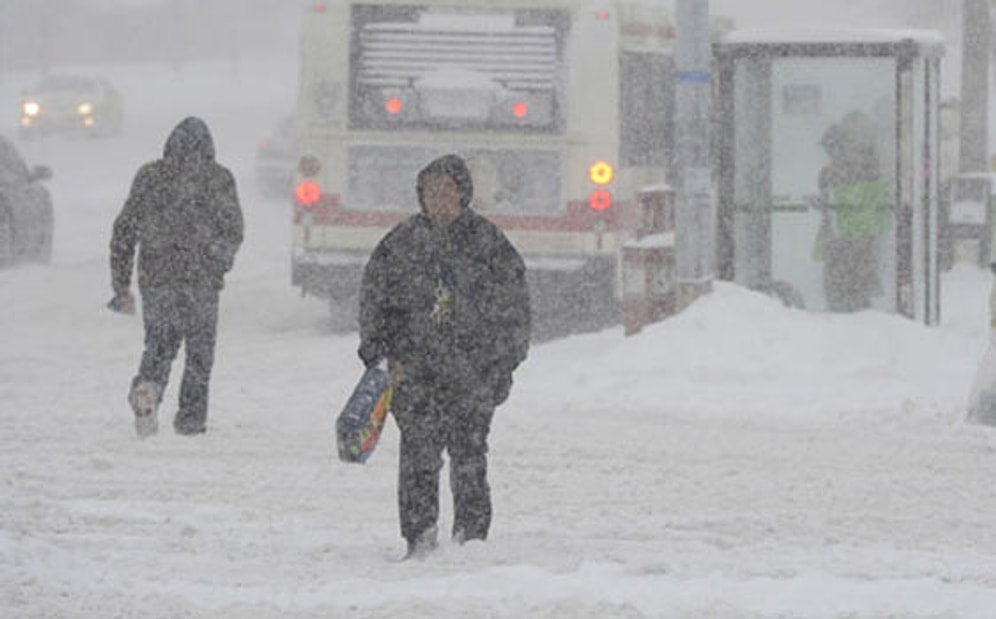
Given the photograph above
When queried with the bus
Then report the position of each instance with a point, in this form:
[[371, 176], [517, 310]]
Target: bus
[[562, 109]]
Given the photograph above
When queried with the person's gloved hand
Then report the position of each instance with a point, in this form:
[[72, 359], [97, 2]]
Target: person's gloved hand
[[122, 303], [501, 386], [395, 372]]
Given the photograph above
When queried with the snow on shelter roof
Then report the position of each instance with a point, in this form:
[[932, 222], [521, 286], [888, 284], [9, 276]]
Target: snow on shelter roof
[[926, 40]]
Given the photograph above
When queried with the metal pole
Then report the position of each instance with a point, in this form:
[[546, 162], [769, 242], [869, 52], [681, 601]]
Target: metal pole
[[695, 221], [992, 68], [3, 39], [976, 34]]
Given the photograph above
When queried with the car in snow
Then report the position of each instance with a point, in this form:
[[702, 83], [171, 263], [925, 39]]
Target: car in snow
[[26, 216], [276, 160], [71, 104]]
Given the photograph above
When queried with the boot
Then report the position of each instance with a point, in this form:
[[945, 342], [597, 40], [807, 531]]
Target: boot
[[423, 544], [144, 400]]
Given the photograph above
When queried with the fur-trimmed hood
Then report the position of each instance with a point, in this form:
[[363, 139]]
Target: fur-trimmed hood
[[454, 167]]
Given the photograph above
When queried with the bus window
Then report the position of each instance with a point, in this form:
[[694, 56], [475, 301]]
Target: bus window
[[508, 182], [647, 106]]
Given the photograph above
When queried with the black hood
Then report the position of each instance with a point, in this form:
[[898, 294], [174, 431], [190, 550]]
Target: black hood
[[190, 140], [455, 168]]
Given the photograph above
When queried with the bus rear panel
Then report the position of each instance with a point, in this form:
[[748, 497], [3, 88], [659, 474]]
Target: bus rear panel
[[529, 96]]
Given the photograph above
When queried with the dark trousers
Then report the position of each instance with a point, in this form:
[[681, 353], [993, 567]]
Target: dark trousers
[[172, 316], [432, 420], [851, 273]]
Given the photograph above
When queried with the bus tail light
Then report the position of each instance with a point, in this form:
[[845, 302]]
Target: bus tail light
[[600, 200], [394, 105], [308, 193], [397, 105], [524, 109]]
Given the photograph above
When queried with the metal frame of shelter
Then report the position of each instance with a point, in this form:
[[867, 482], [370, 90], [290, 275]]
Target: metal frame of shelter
[[777, 93]]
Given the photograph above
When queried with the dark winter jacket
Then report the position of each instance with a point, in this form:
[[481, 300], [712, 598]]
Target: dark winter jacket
[[183, 213], [450, 304]]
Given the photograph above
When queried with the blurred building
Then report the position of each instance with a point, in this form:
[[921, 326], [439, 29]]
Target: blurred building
[[42, 35]]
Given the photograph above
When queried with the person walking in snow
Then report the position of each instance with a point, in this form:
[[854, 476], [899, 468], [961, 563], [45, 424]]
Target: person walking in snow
[[444, 301], [982, 397], [183, 214]]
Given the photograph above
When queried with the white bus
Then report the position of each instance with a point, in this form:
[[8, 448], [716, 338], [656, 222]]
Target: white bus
[[562, 108]]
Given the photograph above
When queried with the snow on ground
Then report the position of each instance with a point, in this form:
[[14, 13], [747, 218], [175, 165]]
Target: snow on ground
[[741, 460]]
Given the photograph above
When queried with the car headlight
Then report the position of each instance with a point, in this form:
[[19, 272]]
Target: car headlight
[[85, 109], [31, 108]]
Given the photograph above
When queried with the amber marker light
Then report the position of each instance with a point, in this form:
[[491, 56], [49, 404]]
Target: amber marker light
[[601, 173]]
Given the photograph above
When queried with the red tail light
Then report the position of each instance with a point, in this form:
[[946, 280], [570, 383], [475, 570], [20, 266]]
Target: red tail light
[[520, 109], [599, 200], [394, 105], [308, 193]]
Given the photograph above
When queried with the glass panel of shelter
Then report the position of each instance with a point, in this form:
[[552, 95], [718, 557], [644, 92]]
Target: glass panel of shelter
[[814, 185]]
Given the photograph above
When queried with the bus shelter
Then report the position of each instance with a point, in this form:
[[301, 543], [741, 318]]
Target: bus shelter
[[829, 167]]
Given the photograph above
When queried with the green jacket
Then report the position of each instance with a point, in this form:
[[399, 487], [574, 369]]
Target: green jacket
[[862, 208]]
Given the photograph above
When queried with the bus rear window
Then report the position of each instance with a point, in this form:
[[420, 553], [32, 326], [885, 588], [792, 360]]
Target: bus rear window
[[510, 182]]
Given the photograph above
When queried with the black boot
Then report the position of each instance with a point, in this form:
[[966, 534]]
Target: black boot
[[422, 545]]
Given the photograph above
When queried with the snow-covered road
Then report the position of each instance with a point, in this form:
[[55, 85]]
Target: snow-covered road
[[741, 460]]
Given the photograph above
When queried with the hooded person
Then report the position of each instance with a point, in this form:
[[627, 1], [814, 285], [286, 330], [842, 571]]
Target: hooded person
[[183, 215], [444, 301], [855, 215]]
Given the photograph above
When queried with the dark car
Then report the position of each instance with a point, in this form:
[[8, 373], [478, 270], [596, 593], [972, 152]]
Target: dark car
[[276, 160], [71, 104], [26, 218]]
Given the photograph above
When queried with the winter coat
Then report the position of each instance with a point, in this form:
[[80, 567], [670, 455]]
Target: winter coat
[[862, 208], [852, 184], [183, 213], [451, 304]]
